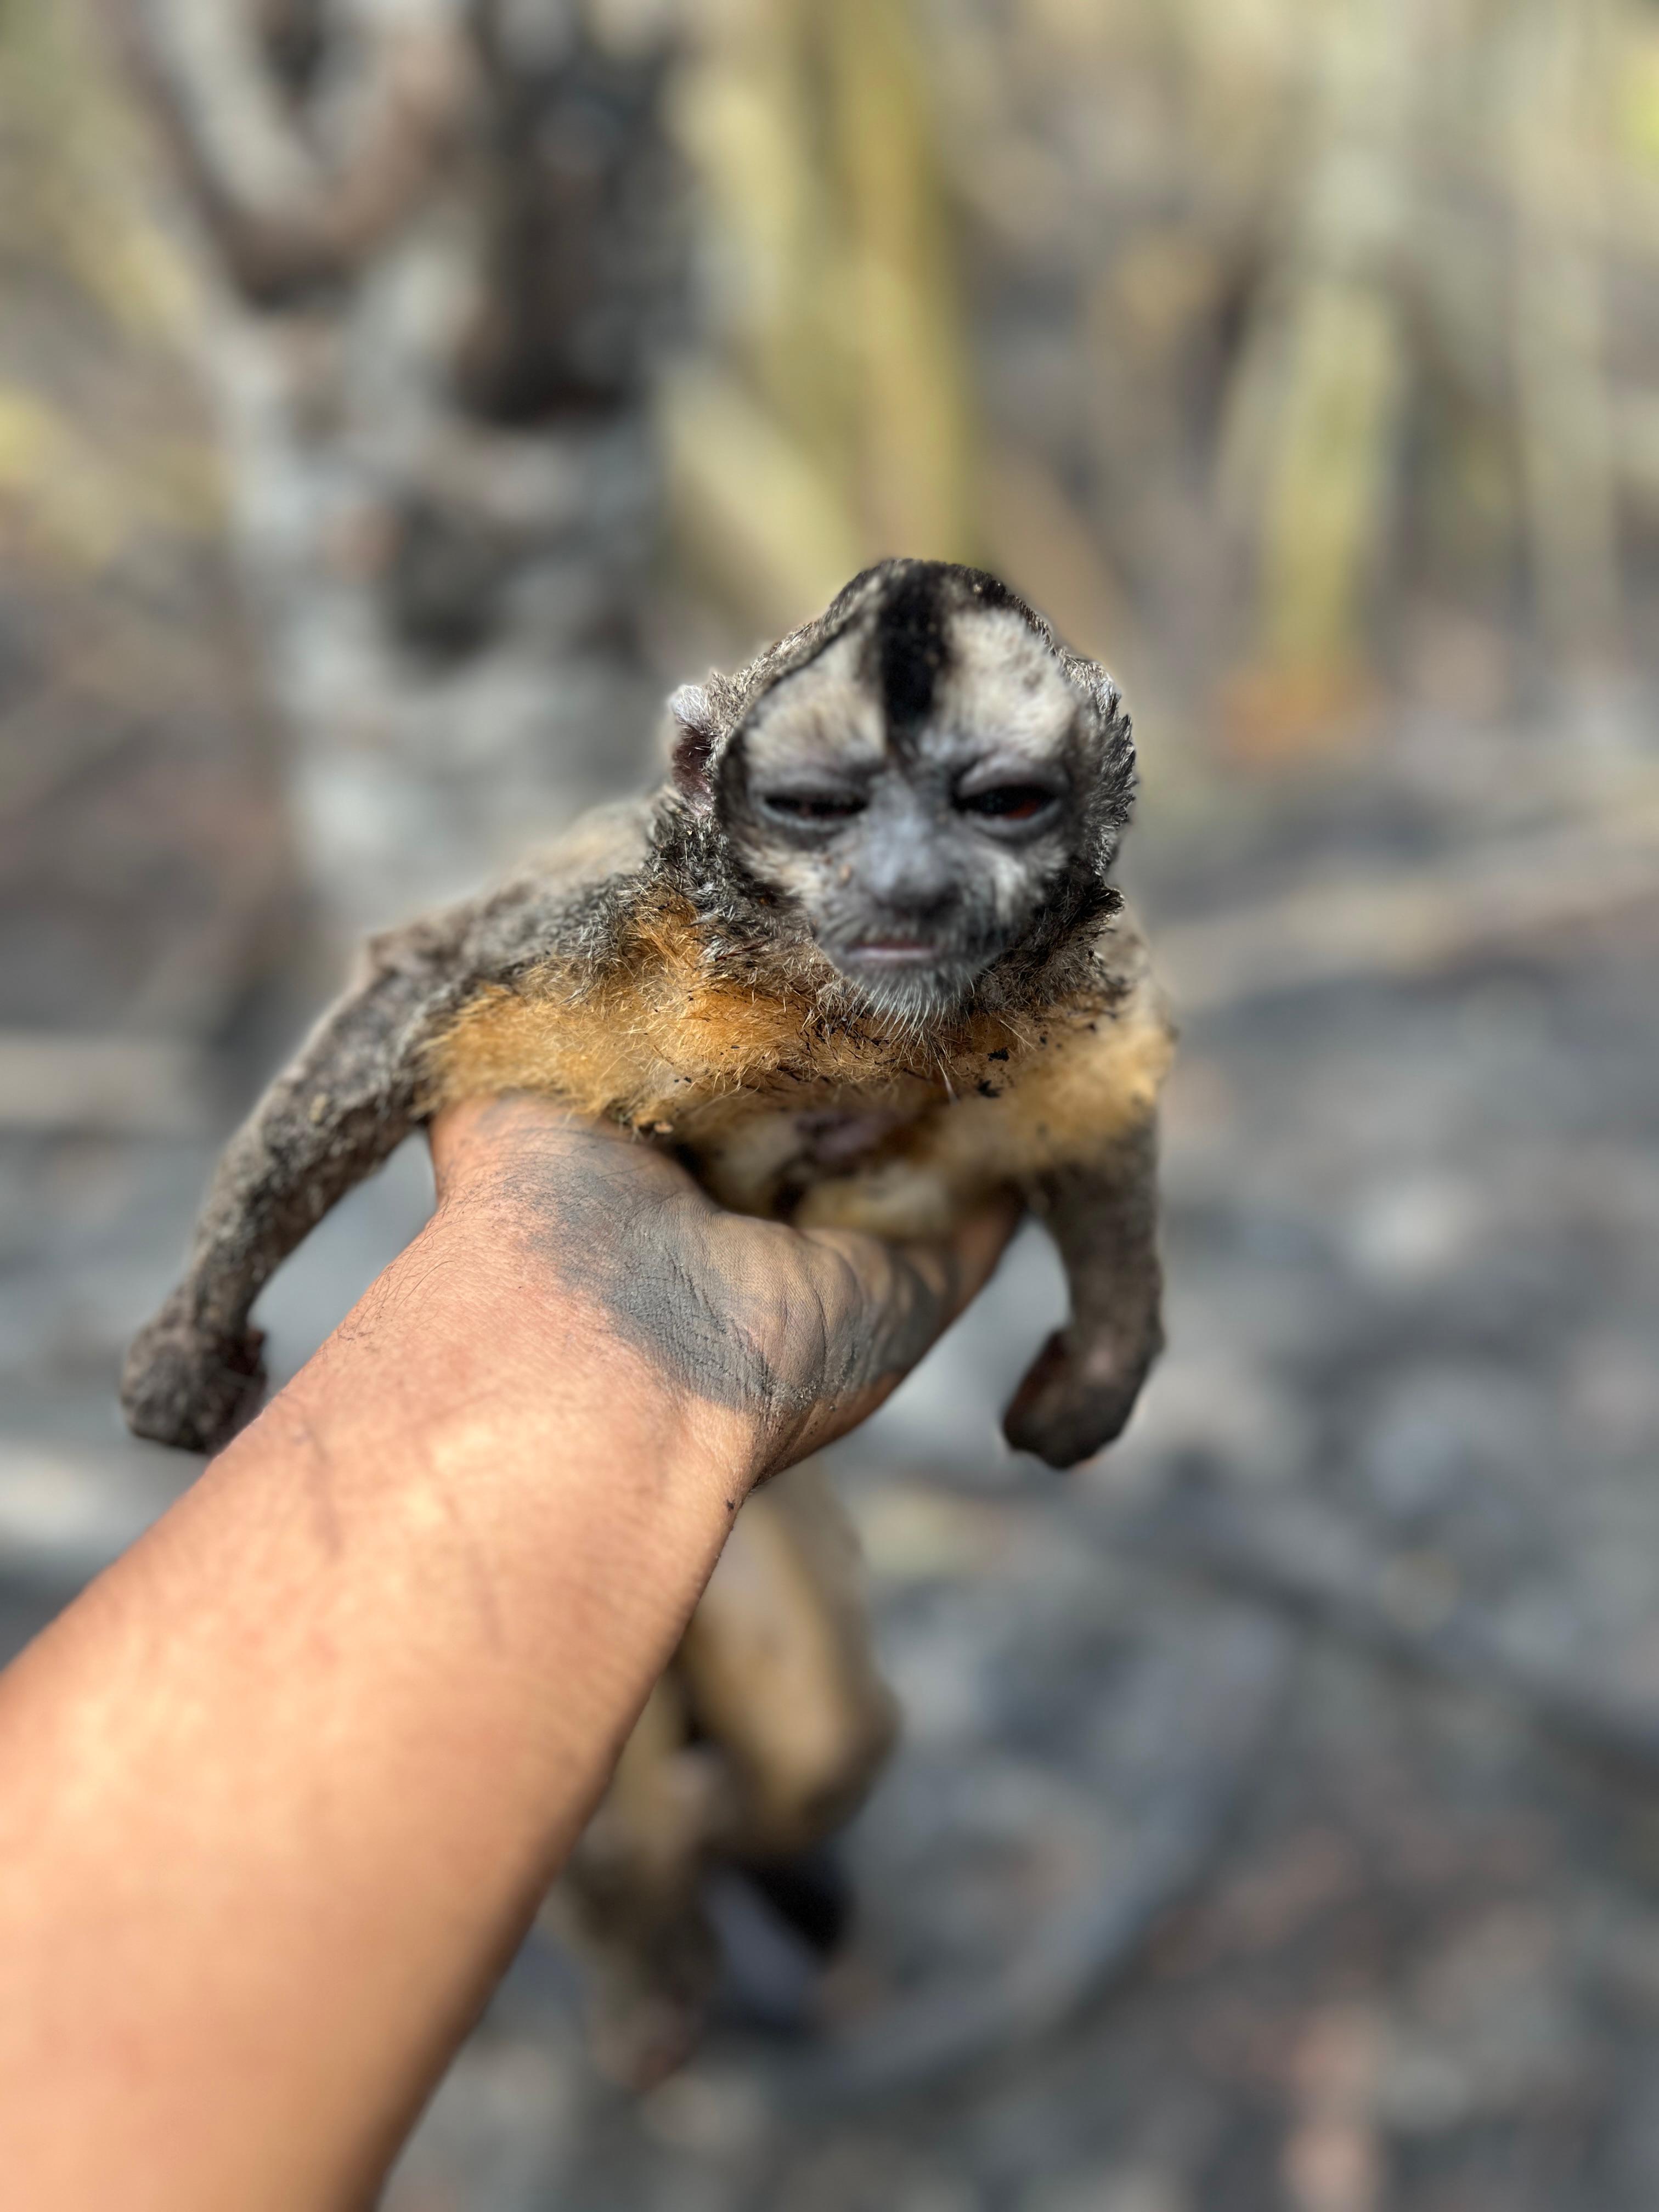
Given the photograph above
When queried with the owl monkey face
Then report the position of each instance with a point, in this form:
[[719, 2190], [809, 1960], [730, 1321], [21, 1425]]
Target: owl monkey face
[[926, 787]]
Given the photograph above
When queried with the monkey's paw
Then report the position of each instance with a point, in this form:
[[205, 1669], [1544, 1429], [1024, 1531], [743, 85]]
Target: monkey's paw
[[185, 1386], [1077, 1397]]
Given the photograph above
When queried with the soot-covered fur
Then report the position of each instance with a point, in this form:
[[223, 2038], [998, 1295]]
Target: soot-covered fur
[[859, 959]]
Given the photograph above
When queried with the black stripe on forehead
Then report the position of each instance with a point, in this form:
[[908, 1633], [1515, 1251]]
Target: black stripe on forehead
[[911, 645], [911, 640]]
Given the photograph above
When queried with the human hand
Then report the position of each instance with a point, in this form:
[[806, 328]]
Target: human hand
[[801, 1333], [302, 1763]]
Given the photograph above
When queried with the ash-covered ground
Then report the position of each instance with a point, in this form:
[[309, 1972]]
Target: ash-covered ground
[[1277, 1823]]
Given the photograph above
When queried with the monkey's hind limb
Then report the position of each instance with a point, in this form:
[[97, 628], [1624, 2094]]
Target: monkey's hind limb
[[763, 1738]]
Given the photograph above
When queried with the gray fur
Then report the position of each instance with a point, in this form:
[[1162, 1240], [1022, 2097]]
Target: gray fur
[[1081, 1388]]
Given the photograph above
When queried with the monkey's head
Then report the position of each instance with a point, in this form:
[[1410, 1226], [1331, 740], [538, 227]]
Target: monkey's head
[[922, 781]]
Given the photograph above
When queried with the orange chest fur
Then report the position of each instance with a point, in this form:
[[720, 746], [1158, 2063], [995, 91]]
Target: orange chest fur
[[785, 1111]]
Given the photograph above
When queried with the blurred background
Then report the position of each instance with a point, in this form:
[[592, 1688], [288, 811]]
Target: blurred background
[[396, 398]]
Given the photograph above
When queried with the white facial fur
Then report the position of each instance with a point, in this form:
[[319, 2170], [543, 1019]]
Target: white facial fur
[[825, 715], [1005, 687], [891, 842]]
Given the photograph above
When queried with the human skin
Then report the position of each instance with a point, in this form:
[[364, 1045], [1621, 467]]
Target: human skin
[[281, 1792]]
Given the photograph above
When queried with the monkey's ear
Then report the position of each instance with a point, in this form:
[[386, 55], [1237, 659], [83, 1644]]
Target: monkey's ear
[[694, 734]]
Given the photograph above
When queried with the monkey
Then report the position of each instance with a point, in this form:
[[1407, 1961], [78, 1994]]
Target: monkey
[[858, 962]]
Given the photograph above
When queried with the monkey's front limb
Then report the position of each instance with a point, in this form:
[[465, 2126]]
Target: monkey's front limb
[[1082, 1387], [346, 1102]]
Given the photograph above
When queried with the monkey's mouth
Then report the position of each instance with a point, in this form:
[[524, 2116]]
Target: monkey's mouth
[[907, 977], [880, 955]]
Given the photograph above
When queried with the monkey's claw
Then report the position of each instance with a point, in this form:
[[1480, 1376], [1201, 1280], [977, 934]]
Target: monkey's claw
[[184, 1385], [1076, 1398]]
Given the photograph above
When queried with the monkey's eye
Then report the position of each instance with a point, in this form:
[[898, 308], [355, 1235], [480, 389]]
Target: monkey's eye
[[1008, 802], [813, 806]]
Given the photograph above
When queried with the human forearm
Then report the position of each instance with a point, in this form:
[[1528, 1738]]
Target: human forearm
[[344, 1710]]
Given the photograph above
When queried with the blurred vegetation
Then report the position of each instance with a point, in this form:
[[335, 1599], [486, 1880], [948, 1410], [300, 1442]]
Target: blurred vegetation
[[1287, 317], [835, 422], [142, 856], [1286, 351], [92, 284]]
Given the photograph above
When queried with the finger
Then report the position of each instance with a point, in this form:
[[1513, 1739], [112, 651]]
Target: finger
[[895, 1303], [932, 1279], [958, 1269]]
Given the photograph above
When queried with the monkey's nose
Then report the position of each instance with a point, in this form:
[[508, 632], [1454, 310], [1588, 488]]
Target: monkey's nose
[[918, 907], [908, 887], [906, 871]]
